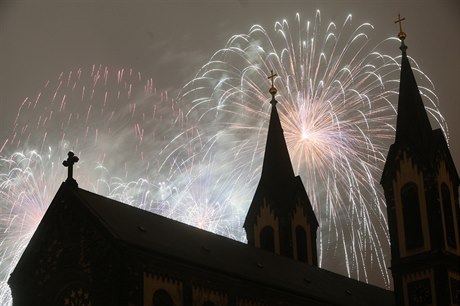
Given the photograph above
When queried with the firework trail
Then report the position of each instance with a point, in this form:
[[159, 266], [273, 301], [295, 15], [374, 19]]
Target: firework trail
[[120, 127], [78, 111], [20, 212], [93, 110], [337, 101]]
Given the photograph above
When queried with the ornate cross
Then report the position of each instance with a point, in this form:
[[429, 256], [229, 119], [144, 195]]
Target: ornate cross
[[401, 34], [69, 162], [272, 76]]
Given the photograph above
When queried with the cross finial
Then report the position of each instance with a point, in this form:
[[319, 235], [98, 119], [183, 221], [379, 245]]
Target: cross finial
[[401, 34], [69, 162], [272, 89]]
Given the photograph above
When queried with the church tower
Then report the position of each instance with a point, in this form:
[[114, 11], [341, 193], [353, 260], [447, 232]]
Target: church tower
[[280, 218], [421, 187]]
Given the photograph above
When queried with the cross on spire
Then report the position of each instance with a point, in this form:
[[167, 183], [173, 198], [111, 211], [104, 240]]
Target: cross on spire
[[69, 162], [401, 34], [272, 76], [272, 89]]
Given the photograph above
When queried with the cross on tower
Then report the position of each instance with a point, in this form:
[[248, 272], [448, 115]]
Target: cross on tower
[[272, 89], [69, 162], [401, 34], [272, 76]]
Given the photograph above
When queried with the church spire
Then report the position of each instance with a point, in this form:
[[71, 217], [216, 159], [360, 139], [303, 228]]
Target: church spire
[[277, 163], [421, 191], [280, 218], [412, 123]]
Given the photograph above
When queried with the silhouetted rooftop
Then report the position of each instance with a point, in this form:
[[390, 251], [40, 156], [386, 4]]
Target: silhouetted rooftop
[[165, 237]]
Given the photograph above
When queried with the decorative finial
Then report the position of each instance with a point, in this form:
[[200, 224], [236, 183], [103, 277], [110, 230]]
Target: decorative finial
[[401, 34], [69, 162], [272, 90]]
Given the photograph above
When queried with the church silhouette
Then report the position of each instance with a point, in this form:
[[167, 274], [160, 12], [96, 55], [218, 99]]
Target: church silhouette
[[90, 250]]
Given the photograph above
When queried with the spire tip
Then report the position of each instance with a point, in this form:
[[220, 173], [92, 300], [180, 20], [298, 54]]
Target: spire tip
[[401, 35], [272, 89]]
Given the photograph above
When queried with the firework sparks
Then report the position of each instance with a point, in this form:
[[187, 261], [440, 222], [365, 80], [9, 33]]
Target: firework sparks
[[131, 148], [112, 119], [337, 98]]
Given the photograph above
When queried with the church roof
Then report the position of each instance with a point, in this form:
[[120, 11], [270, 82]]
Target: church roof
[[161, 236]]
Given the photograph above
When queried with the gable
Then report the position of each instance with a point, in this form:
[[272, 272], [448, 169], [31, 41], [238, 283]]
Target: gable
[[68, 251]]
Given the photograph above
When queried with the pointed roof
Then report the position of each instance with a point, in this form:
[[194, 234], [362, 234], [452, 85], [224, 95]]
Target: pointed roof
[[413, 128], [412, 125], [277, 166], [277, 181]]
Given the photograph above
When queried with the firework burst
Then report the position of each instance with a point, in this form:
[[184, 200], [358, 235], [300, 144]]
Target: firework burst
[[132, 148], [117, 124], [337, 97]]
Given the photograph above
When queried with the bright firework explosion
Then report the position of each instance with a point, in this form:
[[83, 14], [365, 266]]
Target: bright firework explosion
[[120, 127], [337, 102]]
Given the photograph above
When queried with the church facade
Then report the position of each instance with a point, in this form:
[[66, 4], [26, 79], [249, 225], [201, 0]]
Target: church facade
[[91, 250]]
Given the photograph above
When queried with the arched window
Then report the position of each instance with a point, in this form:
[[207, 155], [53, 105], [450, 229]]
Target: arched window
[[162, 298], [267, 239], [448, 216], [411, 216], [301, 242]]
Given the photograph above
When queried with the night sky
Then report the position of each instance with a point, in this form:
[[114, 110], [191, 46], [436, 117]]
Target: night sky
[[169, 41]]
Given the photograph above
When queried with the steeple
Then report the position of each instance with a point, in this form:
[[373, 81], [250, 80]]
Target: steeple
[[277, 166], [412, 123], [280, 218], [421, 191]]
